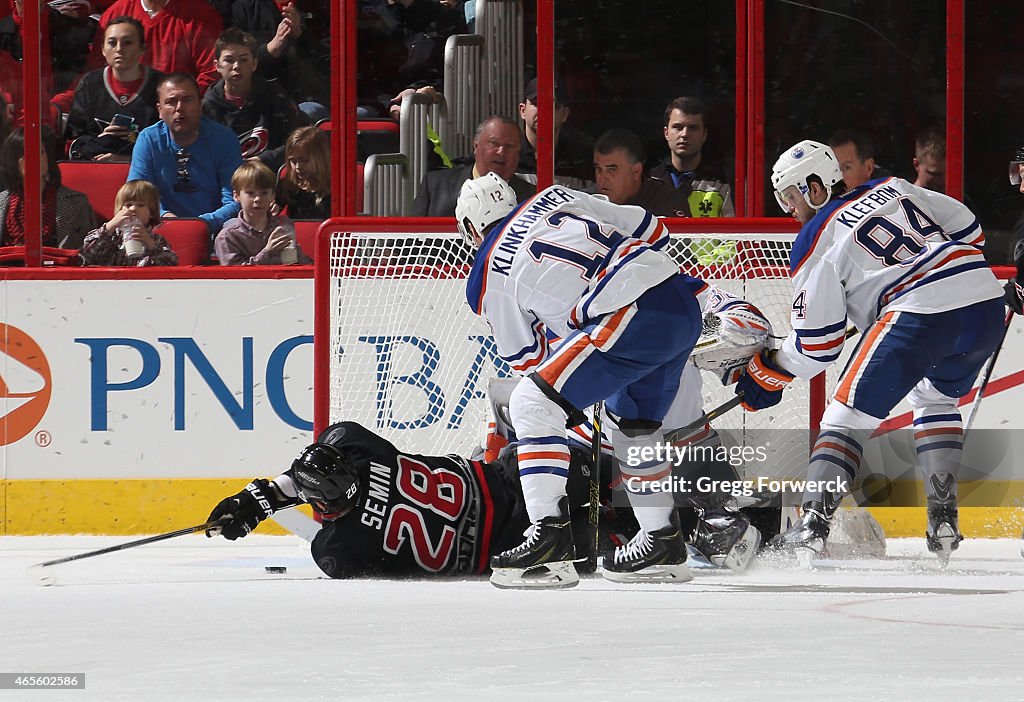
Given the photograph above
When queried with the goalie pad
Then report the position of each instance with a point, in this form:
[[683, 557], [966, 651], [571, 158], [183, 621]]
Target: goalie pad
[[500, 432], [729, 338]]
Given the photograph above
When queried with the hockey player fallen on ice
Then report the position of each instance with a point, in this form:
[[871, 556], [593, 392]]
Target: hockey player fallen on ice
[[905, 266], [392, 514], [595, 275]]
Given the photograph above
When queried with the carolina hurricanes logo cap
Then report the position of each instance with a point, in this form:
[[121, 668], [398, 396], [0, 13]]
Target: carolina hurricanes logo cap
[[25, 384]]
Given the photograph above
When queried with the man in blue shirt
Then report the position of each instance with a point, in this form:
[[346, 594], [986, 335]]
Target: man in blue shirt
[[188, 157]]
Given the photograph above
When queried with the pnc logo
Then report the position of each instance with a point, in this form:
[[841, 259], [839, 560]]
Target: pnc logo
[[25, 384]]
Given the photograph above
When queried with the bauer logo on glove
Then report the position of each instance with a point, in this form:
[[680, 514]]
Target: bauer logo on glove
[[763, 383]]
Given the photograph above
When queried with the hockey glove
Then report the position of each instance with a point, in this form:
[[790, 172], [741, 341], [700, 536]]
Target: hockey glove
[[1013, 293], [763, 383], [245, 510]]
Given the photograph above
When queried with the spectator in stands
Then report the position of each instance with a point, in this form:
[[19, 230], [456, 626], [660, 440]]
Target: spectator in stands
[[136, 215], [574, 150], [495, 148], [67, 215], [401, 48], [287, 52], [257, 236], [619, 169], [190, 158], [704, 185], [855, 152], [65, 43], [179, 35], [304, 189], [125, 88], [259, 112], [930, 159]]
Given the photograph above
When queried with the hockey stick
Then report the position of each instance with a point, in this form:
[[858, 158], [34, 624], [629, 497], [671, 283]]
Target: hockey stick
[[133, 544], [987, 375], [711, 415], [595, 482], [682, 432]]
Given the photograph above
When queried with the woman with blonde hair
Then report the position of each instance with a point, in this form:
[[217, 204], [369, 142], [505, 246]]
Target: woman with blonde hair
[[129, 239], [305, 185]]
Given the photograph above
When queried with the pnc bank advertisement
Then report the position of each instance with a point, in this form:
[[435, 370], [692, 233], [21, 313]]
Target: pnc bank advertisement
[[177, 378]]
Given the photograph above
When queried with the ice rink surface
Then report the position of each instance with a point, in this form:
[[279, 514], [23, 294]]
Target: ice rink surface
[[198, 619]]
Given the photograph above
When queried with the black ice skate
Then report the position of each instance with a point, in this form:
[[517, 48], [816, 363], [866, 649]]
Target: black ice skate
[[655, 557], [943, 535], [727, 539], [806, 538], [543, 561]]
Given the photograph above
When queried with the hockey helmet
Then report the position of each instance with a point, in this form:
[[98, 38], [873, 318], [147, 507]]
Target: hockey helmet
[[1016, 163], [798, 163], [482, 202], [326, 478]]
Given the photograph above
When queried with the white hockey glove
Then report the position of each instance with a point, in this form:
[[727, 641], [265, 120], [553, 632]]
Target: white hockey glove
[[729, 339]]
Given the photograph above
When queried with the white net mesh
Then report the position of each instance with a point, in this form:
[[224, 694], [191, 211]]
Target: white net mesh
[[409, 359]]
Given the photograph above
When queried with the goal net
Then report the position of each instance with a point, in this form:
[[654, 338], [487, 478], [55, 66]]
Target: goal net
[[405, 356]]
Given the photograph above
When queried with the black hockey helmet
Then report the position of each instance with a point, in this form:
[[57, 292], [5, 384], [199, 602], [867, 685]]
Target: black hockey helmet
[[326, 478]]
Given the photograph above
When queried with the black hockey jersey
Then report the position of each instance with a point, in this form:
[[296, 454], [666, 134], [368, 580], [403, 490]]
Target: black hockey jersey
[[417, 514]]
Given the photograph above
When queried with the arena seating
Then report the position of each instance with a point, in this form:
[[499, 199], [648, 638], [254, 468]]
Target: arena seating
[[99, 181], [305, 235], [189, 238]]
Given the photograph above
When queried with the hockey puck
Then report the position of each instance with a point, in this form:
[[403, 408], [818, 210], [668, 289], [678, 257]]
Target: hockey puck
[[42, 576], [276, 570]]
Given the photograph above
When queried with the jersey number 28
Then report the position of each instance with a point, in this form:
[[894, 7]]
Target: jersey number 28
[[440, 491]]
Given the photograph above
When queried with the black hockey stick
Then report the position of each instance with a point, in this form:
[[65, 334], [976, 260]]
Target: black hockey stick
[[133, 544], [711, 415], [987, 375], [595, 483]]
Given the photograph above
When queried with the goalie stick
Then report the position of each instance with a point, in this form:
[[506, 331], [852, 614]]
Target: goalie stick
[[683, 432], [987, 375]]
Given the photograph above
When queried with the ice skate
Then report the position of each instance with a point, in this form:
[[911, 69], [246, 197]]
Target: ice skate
[[543, 561], [655, 557], [943, 535], [727, 539], [807, 538]]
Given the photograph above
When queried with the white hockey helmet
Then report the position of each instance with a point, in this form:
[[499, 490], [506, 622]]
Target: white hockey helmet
[[482, 202], [800, 161]]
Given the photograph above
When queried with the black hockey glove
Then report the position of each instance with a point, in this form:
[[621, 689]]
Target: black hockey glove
[[1012, 294], [246, 510]]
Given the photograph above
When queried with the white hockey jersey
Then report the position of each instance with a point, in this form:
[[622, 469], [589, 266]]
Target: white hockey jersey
[[560, 260], [887, 245]]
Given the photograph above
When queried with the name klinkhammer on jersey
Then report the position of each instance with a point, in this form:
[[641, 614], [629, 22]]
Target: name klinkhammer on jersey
[[515, 233], [860, 209]]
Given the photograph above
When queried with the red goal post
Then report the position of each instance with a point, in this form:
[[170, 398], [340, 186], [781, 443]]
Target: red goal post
[[397, 348]]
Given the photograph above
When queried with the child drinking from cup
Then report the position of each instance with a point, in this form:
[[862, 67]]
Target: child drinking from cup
[[129, 239]]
